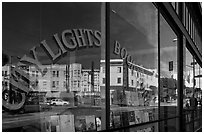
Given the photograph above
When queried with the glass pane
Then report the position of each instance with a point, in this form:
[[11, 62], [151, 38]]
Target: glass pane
[[188, 79], [189, 23], [133, 63], [198, 41], [168, 70], [191, 31], [198, 84], [188, 90], [170, 125], [173, 4], [177, 7], [56, 51], [184, 14], [198, 97], [192, 93], [152, 127], [187, 20]]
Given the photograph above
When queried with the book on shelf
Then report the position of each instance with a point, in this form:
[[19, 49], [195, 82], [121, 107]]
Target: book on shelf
[[117, 122], [55, 123], [146, 116], [151, 116], [125, 119], [98, 123], [137, 117], [141, 114], [80, 123], [67, 123], [131, 116], [90, 123], [85, 123], [47, 124]]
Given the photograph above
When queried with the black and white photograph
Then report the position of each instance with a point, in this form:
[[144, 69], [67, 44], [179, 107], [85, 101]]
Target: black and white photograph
[[101, 66]]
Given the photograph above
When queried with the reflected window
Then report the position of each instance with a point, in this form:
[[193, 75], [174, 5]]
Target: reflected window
[[119, 80], [53, 73], [53, 84], [104, 80], [119, 69], [57, 73]]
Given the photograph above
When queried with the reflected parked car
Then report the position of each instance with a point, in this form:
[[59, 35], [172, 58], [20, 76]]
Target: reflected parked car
[[59, 102]]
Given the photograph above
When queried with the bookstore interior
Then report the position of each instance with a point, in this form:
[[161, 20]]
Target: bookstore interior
[[108, 67]]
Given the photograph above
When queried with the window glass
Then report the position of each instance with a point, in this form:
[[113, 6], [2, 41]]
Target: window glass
[[63, 42], [188, 79], [198, 41], [170, 125], [133, 48], [119, 69], [187, 20], [192, 100], [189, 23], [188, 90], [173, 4], [198, 82], [191, 26], [184, 14], [168, 70], [119, 80]]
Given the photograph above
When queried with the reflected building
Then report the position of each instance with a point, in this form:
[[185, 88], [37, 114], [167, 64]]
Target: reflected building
[[89, 88], [5, 77], [131, 82], [60, 78], [72, 78]]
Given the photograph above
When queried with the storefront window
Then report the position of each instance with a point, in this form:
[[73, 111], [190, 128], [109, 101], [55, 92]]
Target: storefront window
[[192, 100], [133, 48], [63, 42], [58, 77], [188, 79], [198, 96], [170, 125], [188, 89], [198, 41], [168, 71]]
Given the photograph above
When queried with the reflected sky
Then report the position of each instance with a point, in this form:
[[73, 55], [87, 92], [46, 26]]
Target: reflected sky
[[168, 49], [136, 30], [26, 24], [134, 25]]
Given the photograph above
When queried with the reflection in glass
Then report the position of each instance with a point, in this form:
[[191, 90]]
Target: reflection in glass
[[170, 125], [192, 99], [168, 70], [188, 79], [58, 77], [133, 64]]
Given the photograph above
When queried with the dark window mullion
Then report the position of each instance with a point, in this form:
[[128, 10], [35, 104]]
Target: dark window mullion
[[107, 63], [159, 68]]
